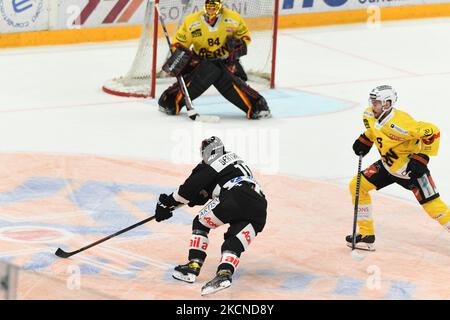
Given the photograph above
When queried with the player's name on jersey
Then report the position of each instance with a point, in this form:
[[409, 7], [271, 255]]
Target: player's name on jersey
[[224, 160]]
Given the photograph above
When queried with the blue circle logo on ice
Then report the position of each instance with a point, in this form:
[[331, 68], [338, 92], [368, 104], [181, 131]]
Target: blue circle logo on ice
[[283, 103], [21, 13]]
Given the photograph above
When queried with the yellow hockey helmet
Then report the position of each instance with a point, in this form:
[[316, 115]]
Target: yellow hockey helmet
[[213, 8]]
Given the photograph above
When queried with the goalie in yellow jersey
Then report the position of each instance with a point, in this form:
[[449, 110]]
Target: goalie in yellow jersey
[[206, 52], [405, 146]]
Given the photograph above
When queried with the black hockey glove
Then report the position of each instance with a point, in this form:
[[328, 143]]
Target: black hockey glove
[[178, 61], [417, 165], [166, 204], [362, 145], [236, 47]]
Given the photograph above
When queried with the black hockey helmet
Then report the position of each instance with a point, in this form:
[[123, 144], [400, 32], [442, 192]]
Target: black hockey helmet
[[211, 149]]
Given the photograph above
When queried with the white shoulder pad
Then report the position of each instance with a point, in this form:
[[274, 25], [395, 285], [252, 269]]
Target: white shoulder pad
[[221, 163]]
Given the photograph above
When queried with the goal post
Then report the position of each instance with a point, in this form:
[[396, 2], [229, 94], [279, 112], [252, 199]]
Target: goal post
[[261, 17]]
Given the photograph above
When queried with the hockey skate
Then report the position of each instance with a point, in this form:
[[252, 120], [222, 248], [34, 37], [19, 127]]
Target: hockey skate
[[263, 114], [187, 272], [167, 110], [261, 111], [366, 243], [221, 281]]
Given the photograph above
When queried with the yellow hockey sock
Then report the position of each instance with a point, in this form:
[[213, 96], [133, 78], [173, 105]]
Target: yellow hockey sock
[[365, 220], [439, 211]]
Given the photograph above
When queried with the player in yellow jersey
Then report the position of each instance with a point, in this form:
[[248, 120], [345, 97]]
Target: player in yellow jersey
[[405, 146], [206, 52]]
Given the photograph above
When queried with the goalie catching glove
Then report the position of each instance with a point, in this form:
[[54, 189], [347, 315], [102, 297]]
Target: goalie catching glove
[[236, 47], [178, 61]]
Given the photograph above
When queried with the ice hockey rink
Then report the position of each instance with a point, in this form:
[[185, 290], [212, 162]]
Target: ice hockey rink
[[78, 164]]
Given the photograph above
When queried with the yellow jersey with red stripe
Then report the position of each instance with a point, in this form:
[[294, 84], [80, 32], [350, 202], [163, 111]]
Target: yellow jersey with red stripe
[[398, 136], [209, 42]]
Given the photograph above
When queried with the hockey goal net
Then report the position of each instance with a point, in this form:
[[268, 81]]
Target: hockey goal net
[[261, 17]]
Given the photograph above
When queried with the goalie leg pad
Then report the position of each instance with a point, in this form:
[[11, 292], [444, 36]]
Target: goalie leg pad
[[235, 90], [197, 82]]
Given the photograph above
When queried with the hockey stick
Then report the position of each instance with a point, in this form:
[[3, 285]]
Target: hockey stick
[[355, 213], [192, 113], [63, 254]]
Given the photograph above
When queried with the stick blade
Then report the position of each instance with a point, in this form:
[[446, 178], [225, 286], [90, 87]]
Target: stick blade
[[62, 254], [193, 115]]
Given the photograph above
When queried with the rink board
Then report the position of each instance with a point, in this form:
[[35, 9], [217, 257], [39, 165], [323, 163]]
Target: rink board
[[50, 201], [308, 18]]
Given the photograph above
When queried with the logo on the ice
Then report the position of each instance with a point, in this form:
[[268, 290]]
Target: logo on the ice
[[21, 13]]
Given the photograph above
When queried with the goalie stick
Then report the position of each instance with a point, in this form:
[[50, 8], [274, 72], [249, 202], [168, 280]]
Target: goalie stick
[[192, 113]]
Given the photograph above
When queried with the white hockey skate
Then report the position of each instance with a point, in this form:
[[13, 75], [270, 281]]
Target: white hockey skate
[[366, 243], [187, 272], [221, 281]]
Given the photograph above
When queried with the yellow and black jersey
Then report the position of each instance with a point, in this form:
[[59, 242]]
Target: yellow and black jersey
[[209, 42], [398, 136]]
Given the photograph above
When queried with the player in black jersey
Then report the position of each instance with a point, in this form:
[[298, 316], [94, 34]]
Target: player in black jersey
[[236, 199]]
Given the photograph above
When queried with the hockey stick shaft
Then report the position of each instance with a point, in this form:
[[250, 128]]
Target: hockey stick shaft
[[63, 254], [355, 213], [192, 113]]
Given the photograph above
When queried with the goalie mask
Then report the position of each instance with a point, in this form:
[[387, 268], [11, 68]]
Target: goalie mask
[[383, 94], [211, 149], [213, 8]]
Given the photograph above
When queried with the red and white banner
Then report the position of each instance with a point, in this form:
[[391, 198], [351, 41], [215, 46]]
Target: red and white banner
[[74, 14]]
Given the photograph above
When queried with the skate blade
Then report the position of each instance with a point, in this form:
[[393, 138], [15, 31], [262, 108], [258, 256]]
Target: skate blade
[[209, 289], [190, 278], [362, 246]]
